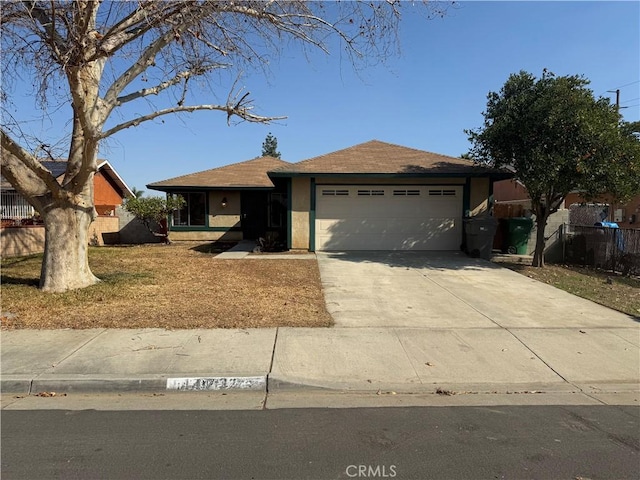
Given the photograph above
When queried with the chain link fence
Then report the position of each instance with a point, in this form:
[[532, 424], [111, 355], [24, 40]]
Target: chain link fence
[[614, 249]]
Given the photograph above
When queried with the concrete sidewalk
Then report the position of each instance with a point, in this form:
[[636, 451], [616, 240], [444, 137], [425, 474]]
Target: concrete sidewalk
[[416, 323], [598, 363]]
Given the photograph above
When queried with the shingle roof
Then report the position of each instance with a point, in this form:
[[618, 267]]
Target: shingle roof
[[376, 157], [59, 167], [249, 174], [56, 167]]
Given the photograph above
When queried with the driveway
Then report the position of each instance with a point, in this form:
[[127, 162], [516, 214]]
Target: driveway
[[448, 290]]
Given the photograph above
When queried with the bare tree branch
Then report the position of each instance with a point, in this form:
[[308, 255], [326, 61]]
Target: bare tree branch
[[143, 63], [51, 37], [24, 171], [240, 109], [185, 75]]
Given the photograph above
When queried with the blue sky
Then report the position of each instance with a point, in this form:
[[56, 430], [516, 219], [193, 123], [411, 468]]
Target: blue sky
[[423, 99]]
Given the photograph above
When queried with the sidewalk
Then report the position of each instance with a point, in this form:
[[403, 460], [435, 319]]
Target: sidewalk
[[601, 364]]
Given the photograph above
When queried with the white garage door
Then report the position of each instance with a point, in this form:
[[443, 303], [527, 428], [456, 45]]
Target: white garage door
[[400, 217]]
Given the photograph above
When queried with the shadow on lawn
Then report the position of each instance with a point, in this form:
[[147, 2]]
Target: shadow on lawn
[[8, 280], [214, 247]]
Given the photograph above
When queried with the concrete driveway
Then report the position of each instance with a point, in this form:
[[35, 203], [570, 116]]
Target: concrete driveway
[[448, 290]]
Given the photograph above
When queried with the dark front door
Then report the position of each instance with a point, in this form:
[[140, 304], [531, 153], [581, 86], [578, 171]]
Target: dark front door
[[253, 207]]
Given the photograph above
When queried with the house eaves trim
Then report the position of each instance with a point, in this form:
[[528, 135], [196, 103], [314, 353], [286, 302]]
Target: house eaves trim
[[116, 178], [214, 188], [493, 175]]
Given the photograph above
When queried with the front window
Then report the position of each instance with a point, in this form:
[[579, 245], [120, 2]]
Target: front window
[[194, 211]]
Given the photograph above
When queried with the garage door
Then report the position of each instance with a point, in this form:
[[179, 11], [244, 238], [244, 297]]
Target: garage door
[[401, 217]]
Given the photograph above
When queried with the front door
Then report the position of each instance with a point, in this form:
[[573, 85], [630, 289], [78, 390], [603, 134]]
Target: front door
[[253, 208]]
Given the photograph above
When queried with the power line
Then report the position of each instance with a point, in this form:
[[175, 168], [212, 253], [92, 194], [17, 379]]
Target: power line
[[631, 100], [626, 85], [618, 88]]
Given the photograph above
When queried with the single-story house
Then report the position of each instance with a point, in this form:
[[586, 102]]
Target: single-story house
[[23, 233], [109, 191], [372, 196]]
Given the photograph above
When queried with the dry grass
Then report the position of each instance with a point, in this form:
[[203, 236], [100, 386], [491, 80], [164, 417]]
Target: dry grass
[[174, 286], [605, 288]]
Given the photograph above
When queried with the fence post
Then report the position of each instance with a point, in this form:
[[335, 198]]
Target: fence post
[[562, 242], [614, 250]]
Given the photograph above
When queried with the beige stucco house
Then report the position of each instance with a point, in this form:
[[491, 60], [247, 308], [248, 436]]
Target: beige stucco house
[[372, 196]]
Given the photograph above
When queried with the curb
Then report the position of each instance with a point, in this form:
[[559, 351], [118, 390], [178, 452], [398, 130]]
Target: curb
[[15, 384]]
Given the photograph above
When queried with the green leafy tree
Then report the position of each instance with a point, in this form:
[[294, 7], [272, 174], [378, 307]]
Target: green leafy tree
[[153, 211], [557, 138], [137, 193], [270, 147]]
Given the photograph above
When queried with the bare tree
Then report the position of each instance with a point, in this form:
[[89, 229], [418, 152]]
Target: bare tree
[[103, 55]]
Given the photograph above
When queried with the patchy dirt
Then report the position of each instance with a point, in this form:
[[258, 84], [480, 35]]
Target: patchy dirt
[[169, 286], [608, 289]]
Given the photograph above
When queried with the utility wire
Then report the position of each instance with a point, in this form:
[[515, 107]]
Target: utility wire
[[626, 85], [612, 90]]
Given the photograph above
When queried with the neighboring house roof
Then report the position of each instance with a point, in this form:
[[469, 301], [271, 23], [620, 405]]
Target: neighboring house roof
[[56, 167], [105, 167], [376, 157], [249, 174], [59, 167]]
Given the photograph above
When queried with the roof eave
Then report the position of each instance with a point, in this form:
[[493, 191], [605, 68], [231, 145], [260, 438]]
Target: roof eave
[[193, 188], [492, 175], [106, 166]]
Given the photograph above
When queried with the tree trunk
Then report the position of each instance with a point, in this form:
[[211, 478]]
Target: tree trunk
[[65, 265], [541, 223]]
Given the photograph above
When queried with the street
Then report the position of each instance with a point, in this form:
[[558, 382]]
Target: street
[[447, 442]]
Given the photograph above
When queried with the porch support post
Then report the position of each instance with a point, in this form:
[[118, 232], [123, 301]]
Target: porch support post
[[312, 215], [289, 213]]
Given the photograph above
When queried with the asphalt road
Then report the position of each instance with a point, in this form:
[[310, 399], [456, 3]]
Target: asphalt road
[[543, 442]]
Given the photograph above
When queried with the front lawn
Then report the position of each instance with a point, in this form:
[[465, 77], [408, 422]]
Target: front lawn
[[605, 288], [168, 286]]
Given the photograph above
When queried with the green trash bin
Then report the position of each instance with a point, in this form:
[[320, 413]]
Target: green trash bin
[[518, 230]]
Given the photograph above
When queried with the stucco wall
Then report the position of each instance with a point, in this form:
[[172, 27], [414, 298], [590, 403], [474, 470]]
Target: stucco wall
[[300, 204], [104, 231], [228, 216], [133, 231], [21, 241], [553, 247], [479, 195], [204, 236]]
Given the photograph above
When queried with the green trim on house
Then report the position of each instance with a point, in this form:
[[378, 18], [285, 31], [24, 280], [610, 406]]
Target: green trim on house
[[466, 199], [490, 198], [312, 215], [225, 229], [494, 175], [190, 228], [289, 214], [186, 228], [391, 184]]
